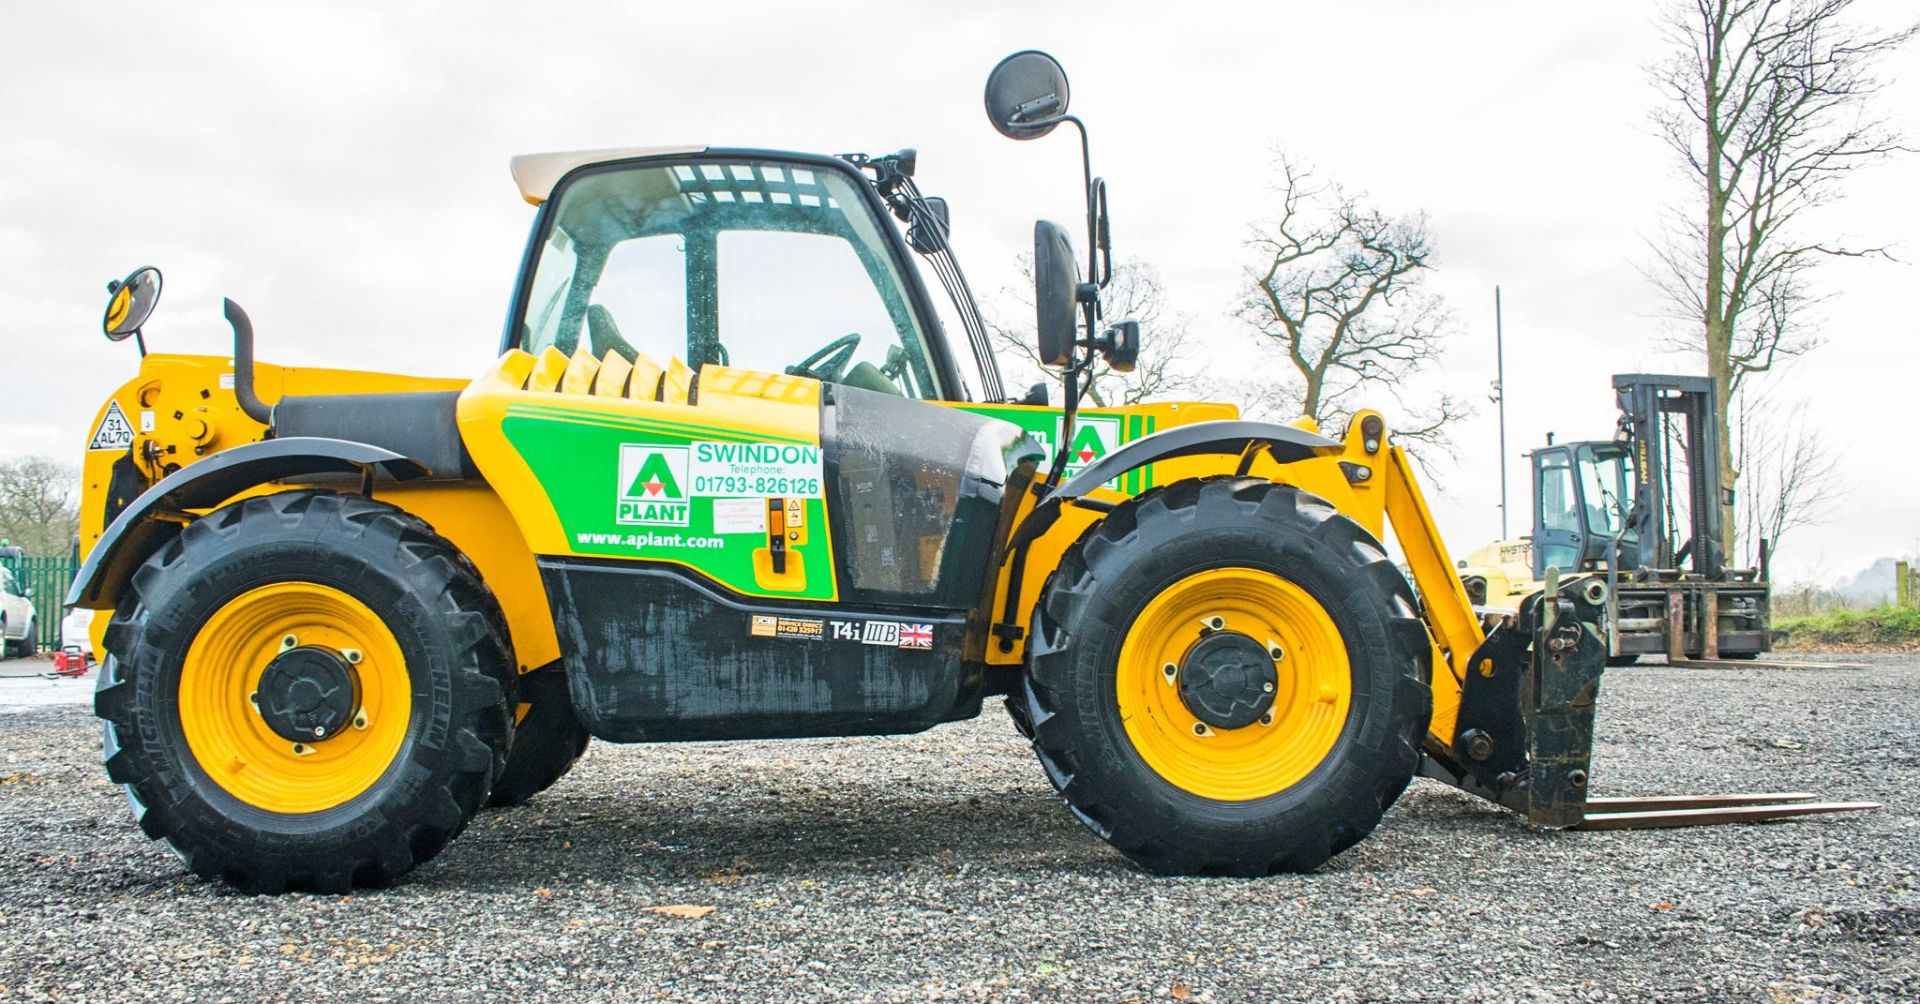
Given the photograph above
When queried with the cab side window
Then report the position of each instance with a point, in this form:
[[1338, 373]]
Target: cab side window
[[640, 302]]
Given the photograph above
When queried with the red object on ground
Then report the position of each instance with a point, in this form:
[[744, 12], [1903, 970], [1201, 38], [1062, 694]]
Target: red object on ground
[[71, 661]]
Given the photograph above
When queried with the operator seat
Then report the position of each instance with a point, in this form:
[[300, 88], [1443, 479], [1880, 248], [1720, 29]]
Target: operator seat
[[867, 376], [603, 335]]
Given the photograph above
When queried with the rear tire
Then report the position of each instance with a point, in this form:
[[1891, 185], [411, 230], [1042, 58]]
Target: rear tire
[[1248, 816], [371, 589], [547, 741]]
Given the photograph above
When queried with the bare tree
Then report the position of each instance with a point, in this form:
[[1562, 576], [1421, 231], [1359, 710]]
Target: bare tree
[[1792, 478], [1337, 287], [1766, 111], [39, 504], [1167, 367]]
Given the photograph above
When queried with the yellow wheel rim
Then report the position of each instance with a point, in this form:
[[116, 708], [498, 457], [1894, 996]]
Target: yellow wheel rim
[[232, 741], [1313, 688]]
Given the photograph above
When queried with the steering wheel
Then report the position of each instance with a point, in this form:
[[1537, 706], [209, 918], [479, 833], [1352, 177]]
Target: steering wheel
[[829, 364]]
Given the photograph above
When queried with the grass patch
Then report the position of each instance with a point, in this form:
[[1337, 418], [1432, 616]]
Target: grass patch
[[1895, 629]]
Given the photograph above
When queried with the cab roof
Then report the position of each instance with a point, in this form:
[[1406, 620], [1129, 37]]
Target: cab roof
[[537, 173]]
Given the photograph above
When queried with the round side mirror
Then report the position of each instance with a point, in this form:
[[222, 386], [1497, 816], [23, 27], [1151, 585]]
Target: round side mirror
[[1026, 87], [1056, 285], [131, 304]]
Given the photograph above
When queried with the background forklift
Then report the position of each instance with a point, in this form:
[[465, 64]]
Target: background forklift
[[1645, 510], [1642, 509]]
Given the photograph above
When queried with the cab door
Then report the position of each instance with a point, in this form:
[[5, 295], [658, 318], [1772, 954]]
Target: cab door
[[1559, 531]]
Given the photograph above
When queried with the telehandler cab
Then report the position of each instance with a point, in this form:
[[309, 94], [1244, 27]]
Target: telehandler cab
[[351, 609]]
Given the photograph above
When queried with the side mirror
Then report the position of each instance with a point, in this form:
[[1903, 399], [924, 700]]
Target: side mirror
[[27, 593], [1056, 286], [927, 231], [132, 303], [1026, 95]]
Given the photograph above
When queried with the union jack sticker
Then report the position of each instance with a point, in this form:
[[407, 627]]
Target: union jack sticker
[[916, 636]]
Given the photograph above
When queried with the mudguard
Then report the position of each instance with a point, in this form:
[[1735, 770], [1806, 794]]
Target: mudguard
[[1284, 443], [136, 533]]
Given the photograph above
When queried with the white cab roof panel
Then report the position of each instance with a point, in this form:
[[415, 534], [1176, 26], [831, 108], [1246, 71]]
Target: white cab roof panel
[[537, 173]]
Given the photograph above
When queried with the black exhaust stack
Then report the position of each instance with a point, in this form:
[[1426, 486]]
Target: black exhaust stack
[[243, 366]]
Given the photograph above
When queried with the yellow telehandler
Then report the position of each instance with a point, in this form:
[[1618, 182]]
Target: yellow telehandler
[[348, 610]]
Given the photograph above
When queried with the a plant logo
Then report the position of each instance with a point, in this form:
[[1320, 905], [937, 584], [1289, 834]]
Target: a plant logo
[[653, 485], [1094, 436]]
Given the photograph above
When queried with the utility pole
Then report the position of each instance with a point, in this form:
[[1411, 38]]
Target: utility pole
[[1500, 399]]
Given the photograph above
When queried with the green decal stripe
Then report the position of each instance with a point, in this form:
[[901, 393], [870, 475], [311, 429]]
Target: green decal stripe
[[578, 464], [684, 430]]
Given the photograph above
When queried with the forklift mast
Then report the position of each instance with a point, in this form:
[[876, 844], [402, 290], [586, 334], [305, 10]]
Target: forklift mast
[[1661, 415]]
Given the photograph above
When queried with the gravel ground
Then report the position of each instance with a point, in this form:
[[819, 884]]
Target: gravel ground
[[941, 866]]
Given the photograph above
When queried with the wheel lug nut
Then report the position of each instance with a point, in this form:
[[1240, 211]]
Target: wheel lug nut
[[360, 720], [1268, 687], [1216, 622], [288, 641], [1170, 669], [319, 731], [352, 655], [1200, 728], [1267, 719]]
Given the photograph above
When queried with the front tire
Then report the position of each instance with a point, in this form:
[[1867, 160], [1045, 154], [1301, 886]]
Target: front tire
[[29, 643], [1298, 698], [306, 691]]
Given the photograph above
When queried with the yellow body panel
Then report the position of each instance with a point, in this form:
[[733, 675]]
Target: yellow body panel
[[676, 387], [467, 513], [200, 390], [581, 369], [549, 368], [745, 403], [1506, 566], [644, 384], [614, 371]]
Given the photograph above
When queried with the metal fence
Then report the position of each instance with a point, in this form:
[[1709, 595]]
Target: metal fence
[[48, 578]]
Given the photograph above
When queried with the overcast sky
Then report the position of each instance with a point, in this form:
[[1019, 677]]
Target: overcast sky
[[342, 172]]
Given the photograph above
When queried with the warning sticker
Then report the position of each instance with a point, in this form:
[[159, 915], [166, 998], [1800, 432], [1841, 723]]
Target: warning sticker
[[740, 516], [788, 628], [755, 470], [114, 433]]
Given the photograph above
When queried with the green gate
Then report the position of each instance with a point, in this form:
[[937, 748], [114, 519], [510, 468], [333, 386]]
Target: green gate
[[48, 578]]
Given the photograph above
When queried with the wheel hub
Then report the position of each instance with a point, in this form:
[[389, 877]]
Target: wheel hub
[[307, 694], [1228, 680]]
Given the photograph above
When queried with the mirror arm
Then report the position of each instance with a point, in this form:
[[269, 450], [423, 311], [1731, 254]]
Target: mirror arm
[[1096, 194]]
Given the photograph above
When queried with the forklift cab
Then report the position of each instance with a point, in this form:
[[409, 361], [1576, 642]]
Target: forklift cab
[[1582, 505]]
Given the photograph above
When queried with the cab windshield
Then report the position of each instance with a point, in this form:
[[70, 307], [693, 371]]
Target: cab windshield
[[759, 264], [1606, 485]]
